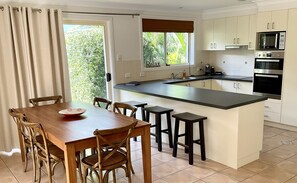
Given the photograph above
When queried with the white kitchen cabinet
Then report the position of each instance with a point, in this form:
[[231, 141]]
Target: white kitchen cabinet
[[272, 20], [214, 34], [216, 84], [206, 84], [237, 86], [272, 110], [252, 32], [237, 30], [289, 87]]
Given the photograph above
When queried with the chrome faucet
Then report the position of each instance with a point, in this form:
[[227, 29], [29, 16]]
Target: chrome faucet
[[173, 76]]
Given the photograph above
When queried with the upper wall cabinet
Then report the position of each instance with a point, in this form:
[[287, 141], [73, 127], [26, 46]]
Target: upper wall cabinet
[[237, 30], [214, 34], [252, 32], [272, 21]]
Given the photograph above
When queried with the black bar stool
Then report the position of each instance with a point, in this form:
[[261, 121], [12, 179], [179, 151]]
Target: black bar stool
[[189, 120], [137, 104], [158, 111]]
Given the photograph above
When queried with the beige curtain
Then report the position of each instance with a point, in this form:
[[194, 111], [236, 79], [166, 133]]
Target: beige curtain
[[32, 62]]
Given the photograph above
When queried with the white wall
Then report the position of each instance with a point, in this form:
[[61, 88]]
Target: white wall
[[232, 61]]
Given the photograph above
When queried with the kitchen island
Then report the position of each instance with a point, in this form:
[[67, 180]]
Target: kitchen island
[[234, 125]]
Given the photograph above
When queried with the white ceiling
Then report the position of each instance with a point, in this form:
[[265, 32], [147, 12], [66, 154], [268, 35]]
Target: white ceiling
[[171, 5]]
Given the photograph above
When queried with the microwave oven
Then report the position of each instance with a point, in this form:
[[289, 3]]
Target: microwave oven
[[271, 40]]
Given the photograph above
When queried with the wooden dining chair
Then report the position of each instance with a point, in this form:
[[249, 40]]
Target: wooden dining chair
[[122, 108], [46, 153], [101, 102], [110, 154], [46, 100], [24, 138]]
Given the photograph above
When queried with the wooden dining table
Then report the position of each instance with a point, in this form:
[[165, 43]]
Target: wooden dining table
[[75, 132]]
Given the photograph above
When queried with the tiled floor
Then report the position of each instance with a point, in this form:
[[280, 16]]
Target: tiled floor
[[277, 163]]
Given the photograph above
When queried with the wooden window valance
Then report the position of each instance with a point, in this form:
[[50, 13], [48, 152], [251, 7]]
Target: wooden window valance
[[157, 25]]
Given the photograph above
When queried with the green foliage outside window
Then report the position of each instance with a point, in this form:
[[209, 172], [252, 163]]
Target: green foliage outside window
[[85, 52], [154, 49]]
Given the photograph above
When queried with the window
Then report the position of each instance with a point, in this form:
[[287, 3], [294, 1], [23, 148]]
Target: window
[[166, 42]]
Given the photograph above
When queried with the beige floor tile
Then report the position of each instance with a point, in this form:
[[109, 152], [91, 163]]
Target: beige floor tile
[[289, 147], [292, 180], [266, 148], [276, 174], [160, 181], [270, 159], [199, 172], [290, 134], [180, 177], [267, 134], [288, 166], [178, 163], [259, 179], [219, 178], [281, 153], [239, 174], [163, 170], [210, 164], [163, 157], [199, 181], [275, 130], [278, 140], [256, 166], [293, 159]]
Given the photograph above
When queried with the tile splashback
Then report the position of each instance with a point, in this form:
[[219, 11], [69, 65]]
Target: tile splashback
[[233, 61]]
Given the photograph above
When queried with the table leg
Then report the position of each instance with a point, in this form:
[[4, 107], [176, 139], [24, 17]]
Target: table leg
[[146, 155], [70, 163]]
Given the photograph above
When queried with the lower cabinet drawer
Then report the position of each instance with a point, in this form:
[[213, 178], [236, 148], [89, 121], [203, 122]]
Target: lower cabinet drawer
[[272, 116], [272, 105]]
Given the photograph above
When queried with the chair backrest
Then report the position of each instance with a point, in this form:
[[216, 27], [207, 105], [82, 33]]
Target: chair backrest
[[101, 102], [36, 129], [23, 134], [122, 144], [46, 100], [122, 108]]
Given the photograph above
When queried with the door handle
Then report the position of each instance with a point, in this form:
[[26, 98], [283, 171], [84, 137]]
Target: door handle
[[266, 76], [268, 26], [237, 40], [234, 40], [108, 77], [272, 25]]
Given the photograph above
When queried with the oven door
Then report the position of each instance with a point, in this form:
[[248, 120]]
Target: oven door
[[269, 63], [268, 84]]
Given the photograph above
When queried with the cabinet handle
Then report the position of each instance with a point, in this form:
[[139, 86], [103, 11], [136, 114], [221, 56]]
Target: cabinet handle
[[238, 85], [268, 25], [211, 46], [189, 84], [266, 116], [272, 25], [266, 106], [237, 40], [215, 45], [234, 85], [250, 44], [203, 83], [234, 40]]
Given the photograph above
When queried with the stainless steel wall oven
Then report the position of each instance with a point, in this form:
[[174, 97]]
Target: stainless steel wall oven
[[268, 73]]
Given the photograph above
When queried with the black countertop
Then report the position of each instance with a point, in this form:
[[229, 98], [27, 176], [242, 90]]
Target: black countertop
[[211, 98], [220, 77]]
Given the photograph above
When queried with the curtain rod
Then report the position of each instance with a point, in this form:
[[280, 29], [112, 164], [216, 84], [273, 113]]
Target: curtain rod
[[81, 12], [98, 13]]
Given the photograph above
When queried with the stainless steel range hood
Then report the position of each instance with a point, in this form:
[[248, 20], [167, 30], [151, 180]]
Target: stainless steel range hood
[[235, 46]]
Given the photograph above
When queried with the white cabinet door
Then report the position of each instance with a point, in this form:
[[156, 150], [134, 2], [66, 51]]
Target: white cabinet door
[[229, 86], [206, 84], [279, 20], [252, 32], [207, 31], [242, 30], [244, 87], [219, 34], [289, 88], [231, 31], [272, 21], [237, 87], [216, 84], [272, 110]]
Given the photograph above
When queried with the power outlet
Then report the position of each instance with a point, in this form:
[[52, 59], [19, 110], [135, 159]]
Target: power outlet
[[127, 75]]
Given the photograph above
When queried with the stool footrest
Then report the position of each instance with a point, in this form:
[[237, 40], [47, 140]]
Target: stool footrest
[[181, 144], [153, 134], [181, 135], [197, 141], [153, 126]]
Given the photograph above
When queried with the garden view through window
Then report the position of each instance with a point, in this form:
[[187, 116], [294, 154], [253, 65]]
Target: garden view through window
[[86, 62], [164, 48]]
